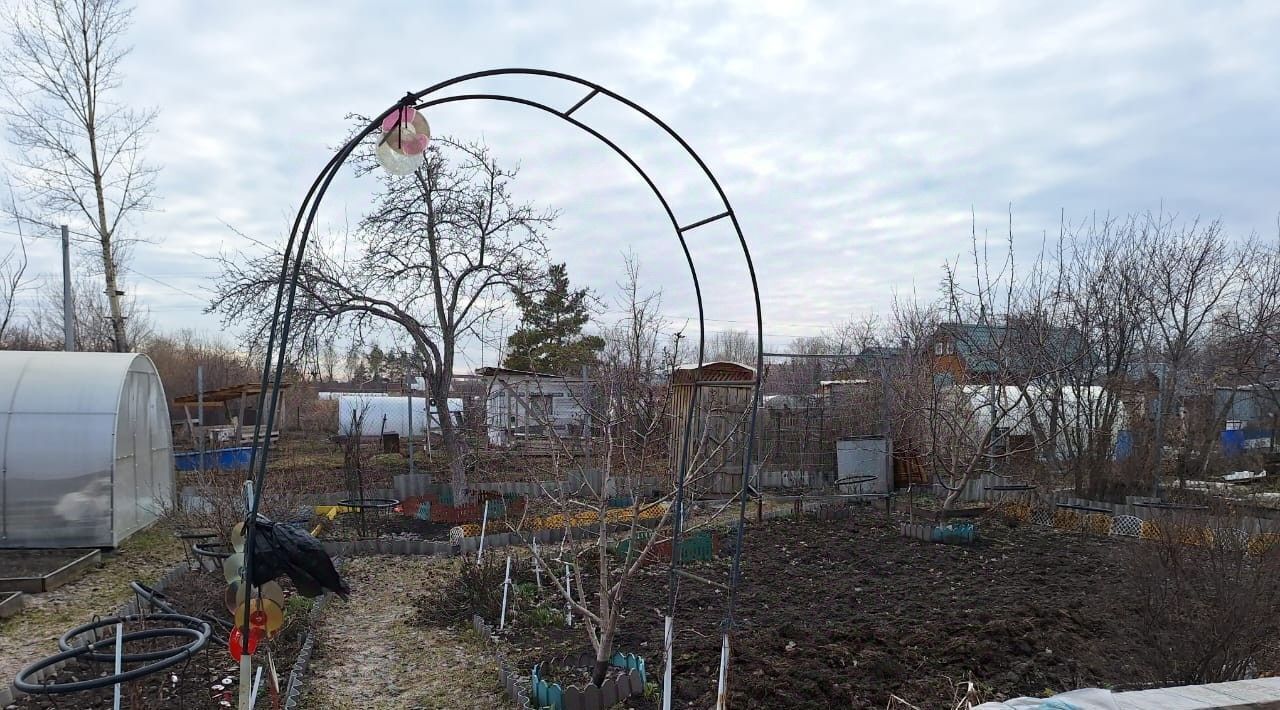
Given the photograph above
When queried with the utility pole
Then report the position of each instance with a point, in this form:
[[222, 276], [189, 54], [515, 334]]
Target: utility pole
[[68, 319]]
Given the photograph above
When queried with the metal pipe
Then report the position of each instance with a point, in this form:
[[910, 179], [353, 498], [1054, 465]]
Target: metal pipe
[[408, 381], [115, 694], [200, 416], [484, 522], [68, 313], [506, 585]]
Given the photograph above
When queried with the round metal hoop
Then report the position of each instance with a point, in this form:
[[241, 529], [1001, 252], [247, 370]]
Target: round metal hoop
[[198, 630]]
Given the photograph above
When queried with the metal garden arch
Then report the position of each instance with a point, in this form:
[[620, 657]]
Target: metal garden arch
[[296, 245]]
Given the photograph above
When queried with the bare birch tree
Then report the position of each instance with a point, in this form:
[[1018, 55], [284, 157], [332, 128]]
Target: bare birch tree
[[81, 152]]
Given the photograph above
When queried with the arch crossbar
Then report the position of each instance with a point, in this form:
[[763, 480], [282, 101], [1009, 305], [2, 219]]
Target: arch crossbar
[[299, 236]]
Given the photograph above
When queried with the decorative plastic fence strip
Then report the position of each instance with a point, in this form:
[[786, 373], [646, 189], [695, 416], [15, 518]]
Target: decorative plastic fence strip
[[701, 547], [950, 534], [627, 680], [1097, 523], [1126, 525], [1263, 542], [293, 691], [591, 517]]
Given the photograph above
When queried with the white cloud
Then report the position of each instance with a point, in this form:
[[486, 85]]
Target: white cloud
[[853, 139]]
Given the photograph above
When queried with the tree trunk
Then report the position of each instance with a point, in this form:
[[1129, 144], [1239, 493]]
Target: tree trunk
[[952, 498], [119, 335], [105, 235], [452, 442], [604, 652]]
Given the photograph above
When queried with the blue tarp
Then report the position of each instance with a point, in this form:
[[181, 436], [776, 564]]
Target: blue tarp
[[234, 459], [1233, 442], [1124, 445]]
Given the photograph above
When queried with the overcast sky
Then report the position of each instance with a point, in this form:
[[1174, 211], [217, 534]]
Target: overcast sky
[[853, 139]]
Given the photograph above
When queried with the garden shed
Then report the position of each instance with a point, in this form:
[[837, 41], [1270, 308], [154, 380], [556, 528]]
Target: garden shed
[[86, 458], [718, 433]]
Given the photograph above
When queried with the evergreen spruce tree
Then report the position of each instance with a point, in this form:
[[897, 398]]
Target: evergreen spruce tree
[[550, 337]]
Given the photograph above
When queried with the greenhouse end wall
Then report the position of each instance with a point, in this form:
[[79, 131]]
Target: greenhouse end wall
[[86, 458]]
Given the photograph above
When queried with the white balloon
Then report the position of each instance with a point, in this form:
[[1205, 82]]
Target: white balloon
[[396, 162]]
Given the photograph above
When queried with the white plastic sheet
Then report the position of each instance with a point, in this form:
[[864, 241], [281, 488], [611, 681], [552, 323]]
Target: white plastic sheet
[[1083, 699]]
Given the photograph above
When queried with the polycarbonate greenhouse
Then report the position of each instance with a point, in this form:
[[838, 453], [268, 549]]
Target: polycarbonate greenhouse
[[86, 454]]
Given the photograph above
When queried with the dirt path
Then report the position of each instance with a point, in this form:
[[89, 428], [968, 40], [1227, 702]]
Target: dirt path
[[34, 632], [370, 655]]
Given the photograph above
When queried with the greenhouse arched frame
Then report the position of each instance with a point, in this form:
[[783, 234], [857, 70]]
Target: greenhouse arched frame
[[299, 236]]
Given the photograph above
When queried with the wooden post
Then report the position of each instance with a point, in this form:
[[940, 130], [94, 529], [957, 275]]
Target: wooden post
[[240, 419]]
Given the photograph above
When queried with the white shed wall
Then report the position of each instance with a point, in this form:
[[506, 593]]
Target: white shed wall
[[396, 411]]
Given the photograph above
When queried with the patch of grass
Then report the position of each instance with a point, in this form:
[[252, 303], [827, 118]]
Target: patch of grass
[[541, 616], [394, 461], [297, 606]]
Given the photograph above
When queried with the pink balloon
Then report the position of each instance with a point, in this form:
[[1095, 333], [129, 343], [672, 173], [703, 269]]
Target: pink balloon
[[393, 120], [414, 145]]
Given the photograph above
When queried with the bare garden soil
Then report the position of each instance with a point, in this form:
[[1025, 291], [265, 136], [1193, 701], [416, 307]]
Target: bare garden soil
[[386, 525], [34, 563], [208, 680], [846, 613]]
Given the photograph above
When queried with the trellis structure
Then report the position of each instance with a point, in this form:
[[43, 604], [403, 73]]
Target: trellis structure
[[426, 99]]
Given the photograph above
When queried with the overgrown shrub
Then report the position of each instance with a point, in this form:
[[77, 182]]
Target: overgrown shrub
[[217, 502], [475, 589], [1209, 602]]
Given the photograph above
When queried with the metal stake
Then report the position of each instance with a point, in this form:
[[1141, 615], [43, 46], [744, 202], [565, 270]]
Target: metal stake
[[537, 566], [668, 635], [200, 415], [568, 596], [506, 585], [408, 382], [722, 694], [119, 660], [484, 521], [68, 315]]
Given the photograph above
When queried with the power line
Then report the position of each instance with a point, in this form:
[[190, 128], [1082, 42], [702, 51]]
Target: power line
[[163, 283]]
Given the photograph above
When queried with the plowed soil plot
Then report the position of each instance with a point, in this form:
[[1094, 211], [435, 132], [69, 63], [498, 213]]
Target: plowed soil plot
[[388, 525], [844, 613]]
